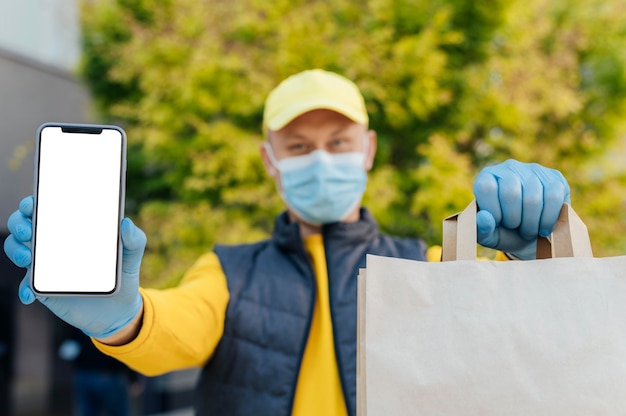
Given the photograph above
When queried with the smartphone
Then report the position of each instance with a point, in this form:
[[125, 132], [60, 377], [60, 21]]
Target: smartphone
[[80, 177]]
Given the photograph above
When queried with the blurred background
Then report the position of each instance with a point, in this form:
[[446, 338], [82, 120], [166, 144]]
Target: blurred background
[[451, 86]]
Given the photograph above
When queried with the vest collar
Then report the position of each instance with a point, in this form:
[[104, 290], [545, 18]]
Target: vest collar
[[287, 234]]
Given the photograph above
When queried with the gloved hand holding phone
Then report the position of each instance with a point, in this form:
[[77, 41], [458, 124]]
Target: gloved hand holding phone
[[98, 317]]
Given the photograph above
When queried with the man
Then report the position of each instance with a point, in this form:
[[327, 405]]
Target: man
[[274, 323]]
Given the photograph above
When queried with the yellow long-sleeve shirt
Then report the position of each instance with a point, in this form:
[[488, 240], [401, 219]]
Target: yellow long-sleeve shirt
[[183, 325]]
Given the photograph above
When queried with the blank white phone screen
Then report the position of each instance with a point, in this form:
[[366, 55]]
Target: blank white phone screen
[[78, 196]]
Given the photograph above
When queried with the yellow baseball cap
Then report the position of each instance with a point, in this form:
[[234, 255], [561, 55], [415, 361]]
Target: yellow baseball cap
[[311, 90]]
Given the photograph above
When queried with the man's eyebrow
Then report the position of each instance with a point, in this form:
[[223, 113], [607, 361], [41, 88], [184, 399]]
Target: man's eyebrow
[[295, 136], [339, 130]]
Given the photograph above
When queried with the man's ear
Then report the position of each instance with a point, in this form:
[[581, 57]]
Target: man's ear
[[371, 149], [267, 162]]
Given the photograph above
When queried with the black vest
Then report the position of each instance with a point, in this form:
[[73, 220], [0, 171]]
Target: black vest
[[254, 369]]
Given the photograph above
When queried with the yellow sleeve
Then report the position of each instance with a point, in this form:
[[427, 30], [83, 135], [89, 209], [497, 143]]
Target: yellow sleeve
[[434, 254], [182, 325], [501, 256]]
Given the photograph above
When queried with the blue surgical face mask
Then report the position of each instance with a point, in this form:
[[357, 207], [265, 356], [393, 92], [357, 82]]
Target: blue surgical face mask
[[322, 187]]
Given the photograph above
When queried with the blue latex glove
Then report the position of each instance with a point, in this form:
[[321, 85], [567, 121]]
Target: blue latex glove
[[98, 317], [518, 202]]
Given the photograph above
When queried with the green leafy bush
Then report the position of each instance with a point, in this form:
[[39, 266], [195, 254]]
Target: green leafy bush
[[451, 85]]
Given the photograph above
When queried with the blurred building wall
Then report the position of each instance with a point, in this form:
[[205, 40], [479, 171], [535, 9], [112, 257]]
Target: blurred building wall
[[47, 31]]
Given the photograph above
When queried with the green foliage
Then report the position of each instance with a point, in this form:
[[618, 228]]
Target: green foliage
[[451, 86]]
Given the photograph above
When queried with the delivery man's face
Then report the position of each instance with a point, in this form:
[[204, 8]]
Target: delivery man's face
[[314, 193]]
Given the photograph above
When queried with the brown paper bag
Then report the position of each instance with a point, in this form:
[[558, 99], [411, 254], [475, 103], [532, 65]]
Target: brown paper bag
[[467, 337]]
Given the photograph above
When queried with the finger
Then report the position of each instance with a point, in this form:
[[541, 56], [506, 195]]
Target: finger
[[133, 238], [20, 227], [555, 183], [510, 197], [17, 252], [555, 195], [486, 229], [565, 187], [134, 242], [27, 206], [486, 194], [532, 206], [26, 295]]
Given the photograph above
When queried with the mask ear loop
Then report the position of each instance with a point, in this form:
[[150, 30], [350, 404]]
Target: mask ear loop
[[270, 154], [366, 149]]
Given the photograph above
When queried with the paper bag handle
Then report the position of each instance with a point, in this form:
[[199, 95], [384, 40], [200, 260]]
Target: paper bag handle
[[570, 237]]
